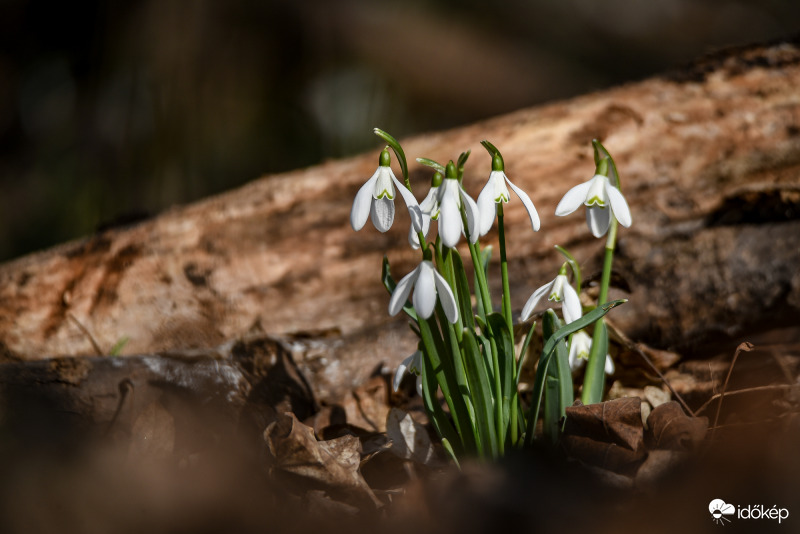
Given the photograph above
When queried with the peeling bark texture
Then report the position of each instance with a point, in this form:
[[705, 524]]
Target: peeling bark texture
[[709, 159]]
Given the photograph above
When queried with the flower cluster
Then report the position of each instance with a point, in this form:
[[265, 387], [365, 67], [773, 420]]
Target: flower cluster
[[467, 355]]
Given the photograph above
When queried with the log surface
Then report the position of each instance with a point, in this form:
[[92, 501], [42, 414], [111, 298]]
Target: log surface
[[710, 163]]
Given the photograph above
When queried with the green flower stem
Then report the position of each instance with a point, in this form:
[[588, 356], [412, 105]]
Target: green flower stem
[[514, 416], [464, 388], [433, 346], [446, 270], [430, 386], [593, 381], [483, 287], [504, 269], [480, 277], [498, 396], [446, 378], [514, 431]]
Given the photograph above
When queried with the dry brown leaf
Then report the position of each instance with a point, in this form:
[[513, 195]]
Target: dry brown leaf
[[367, 406], [608, 434], [332, 465], [670, 428], [410, 440]]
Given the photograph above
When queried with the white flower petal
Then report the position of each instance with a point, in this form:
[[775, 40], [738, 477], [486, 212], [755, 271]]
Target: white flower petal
[[401, 371], [419, 385], [534, 299], [579, 349], [572, 305], [446, 297], [498, 180], [487, 208], [526, 201], [382, 213], [575, 363], [401, 292], [619, 206], [361, 205], [609, 368], [573, 199], [557, 291], [384, 187], [598, 220], [449, 220], [413, 235], [430, 204], [597, 196], [425, 290], [416, 362], [471, 209], [411, 204]]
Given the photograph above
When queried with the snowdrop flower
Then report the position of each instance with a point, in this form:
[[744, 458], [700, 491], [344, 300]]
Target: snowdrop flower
[[598, 194], [579, 352], [495, 191], [429, 208], [428, 284], [558, 290], [451, 197], [411, 365], [375, 199]]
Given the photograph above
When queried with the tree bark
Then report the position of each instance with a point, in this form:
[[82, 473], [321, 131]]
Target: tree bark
[[709, 159]]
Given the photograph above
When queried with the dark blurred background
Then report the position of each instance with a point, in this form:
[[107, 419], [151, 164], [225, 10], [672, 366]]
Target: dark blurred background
[[114, 111]]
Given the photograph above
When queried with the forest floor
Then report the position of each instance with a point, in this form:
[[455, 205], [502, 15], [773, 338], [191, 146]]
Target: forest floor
[[234, 440]]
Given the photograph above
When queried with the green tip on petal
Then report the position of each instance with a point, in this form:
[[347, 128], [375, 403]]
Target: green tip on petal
[[436, 181], [385, 159], [451, 171]]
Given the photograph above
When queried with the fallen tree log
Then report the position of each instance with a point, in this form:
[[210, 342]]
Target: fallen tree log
[[710, 163]]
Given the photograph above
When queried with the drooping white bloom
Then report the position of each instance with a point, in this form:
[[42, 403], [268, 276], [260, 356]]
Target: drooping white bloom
[[579, 352], [598, 194], [495, 191], [429, 209], [411, 365], [427, 283], [451, 197], [579, 349], [375, 200], [557, 290]]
